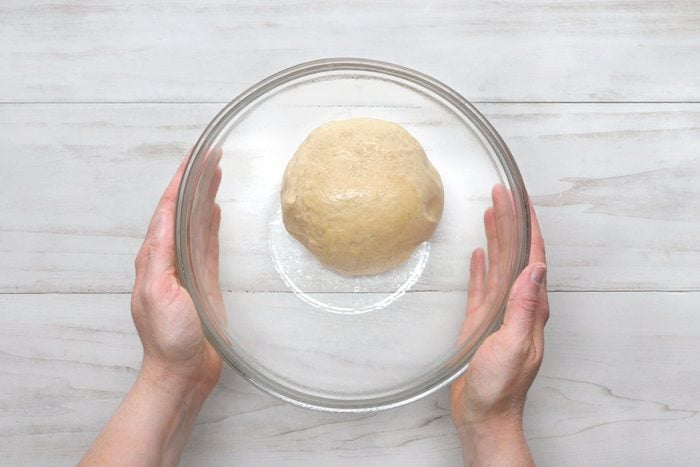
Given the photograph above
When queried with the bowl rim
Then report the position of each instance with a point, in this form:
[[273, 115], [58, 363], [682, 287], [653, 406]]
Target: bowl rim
[[185, 201]]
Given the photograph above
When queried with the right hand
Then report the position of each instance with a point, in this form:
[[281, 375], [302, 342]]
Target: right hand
[[490, 396]]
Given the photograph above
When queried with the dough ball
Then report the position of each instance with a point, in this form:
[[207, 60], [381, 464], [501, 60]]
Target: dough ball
[[361, 195]]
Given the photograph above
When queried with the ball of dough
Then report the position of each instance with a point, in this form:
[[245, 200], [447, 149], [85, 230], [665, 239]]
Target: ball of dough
[[361, 194]]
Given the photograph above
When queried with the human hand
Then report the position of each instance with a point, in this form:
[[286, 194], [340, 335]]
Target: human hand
[[177, 356], [488, 400], [180, 368]]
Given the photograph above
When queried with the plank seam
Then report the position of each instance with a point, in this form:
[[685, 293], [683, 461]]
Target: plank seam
[[226, 102], [252, 292]]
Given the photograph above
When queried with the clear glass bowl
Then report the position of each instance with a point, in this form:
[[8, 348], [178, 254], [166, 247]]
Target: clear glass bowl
[[304, 333]]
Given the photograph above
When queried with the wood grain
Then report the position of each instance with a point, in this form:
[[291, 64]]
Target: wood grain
[[100, 99], [615, 187], [618, 386], [135, 50]]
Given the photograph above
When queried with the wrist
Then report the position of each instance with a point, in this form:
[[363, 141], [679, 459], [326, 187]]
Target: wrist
[[159, 411], [498, 441], [497, 429], [178, 388]]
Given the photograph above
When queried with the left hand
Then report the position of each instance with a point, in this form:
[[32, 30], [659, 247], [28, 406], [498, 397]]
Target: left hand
[[176, 353], [180, 368]]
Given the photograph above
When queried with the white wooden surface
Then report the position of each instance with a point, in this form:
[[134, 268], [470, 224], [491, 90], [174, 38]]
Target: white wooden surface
[[598, 100]]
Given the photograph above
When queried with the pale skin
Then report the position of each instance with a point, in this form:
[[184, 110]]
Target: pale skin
[[489, 399], [180, 369]]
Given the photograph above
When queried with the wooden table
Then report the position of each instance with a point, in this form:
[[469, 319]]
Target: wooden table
[[599, 102]]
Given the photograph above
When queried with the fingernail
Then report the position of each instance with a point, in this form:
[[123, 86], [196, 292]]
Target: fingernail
[[538, 273]]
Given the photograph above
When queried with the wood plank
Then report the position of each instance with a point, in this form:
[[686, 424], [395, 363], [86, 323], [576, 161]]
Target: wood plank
[[616, 387], [619, 382], [615, 187], [107, 50], [615, 190]]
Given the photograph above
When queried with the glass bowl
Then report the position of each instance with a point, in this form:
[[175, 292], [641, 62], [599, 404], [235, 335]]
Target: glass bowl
[[304, 333]]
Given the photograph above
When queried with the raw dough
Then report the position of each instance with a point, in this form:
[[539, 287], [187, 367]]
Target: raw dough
[[361, 194]]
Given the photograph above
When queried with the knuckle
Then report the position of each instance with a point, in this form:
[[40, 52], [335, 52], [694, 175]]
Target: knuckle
[[148, 249], [159, 291], [535, 360], [136, 304], [522, 348], [142, 256], [150, 292], [517, 348], [511, 344], [527, 302]]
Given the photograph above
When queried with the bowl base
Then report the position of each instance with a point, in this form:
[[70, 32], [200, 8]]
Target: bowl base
[[317, 285]]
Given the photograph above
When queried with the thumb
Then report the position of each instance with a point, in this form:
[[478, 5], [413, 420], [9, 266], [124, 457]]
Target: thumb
[[157, 254], [524, 300]]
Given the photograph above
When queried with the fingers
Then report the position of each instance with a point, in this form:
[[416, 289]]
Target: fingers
[[476, 294], [526, 302], [210, 205], [204, 214], [477, 280], [211, 258], [211, 253], [210, 187], [527, 309], [498, 222], [157, 254], [541, 318], [209, 227], [211, 223], [214, 188], [503, 213], [537, 253], [492, 247], [216, 154], [169, 199]]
